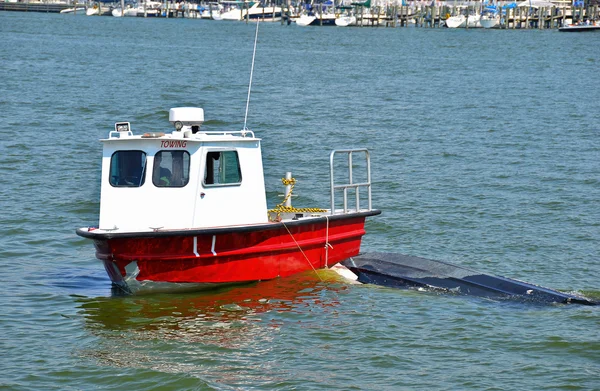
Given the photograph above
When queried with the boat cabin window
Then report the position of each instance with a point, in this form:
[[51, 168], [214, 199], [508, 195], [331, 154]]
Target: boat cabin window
[[222, 168], [171, 169], [127, 169]]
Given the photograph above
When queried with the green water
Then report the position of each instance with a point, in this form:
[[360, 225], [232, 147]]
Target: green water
[[485, 152]]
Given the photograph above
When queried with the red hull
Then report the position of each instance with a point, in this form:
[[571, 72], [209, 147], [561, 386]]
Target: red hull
[[229, 255]]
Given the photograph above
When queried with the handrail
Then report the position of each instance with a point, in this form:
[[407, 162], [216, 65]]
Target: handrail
[[351, 185], [113, 134], [227, 132]]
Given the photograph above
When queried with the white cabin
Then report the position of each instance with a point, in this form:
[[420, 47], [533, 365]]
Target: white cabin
[[180, 180]]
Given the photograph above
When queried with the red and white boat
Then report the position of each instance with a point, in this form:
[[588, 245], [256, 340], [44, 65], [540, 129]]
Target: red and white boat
[[188, 209]]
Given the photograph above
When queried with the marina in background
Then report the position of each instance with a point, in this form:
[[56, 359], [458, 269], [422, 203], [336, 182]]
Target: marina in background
[[484, 154], [528, 14]]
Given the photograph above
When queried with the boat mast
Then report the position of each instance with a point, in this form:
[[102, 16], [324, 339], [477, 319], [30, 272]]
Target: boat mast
[[251, 74]]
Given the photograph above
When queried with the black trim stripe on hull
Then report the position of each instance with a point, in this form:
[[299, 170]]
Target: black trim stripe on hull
[[93, 234]]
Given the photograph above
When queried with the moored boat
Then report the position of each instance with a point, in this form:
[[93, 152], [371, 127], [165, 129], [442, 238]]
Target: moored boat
[[188, 209], [489, 21], [146, 8], [345, 20], [318, 15], [463, 21], [456, 21], [305, 19], [321, 19], [92, 11], [490, 17], [584, 26], [80, 10], [242, 10]]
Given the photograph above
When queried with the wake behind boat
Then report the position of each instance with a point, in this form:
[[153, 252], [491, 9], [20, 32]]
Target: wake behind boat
[[188, 209]]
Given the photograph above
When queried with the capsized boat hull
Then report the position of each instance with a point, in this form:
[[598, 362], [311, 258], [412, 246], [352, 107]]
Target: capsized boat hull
[[228, 255], [405, 271]]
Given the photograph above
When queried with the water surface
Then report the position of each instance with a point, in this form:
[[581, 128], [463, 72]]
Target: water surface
[[485, 153]]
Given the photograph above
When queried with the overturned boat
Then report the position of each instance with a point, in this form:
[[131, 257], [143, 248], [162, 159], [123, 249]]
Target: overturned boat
[[405, 271], [187, 209]]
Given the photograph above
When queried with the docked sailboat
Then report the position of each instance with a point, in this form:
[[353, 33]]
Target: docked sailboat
[[463, 20], [187, 209], [98, 10], [321, 19], [345, 20], [490, 17], [145, 9], [456, 21], [242, 10], [318, 15], [489, 21]]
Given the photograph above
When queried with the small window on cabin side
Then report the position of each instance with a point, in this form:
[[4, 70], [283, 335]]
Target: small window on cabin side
[[127, 169], [222, 168], [171, 169]]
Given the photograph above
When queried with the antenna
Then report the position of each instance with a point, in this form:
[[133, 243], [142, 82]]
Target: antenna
[[251, 73]]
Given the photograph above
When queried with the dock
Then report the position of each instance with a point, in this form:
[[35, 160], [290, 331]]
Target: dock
[[410, 13]]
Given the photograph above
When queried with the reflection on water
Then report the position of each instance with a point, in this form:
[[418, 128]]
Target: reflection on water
[[244, 321]]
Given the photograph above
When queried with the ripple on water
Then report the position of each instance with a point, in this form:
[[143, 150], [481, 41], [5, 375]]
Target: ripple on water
[[477, 160]]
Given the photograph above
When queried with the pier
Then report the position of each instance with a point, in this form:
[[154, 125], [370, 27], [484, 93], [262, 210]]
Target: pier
[[512, 15]]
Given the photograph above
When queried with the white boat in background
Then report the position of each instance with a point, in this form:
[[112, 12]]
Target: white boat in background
[[463, 21], [251, 11], [489, 21], [305, 20], [457, 21], [345, 20], [127, 11], [93, 11], [318, 15], [73, 10], [145, 9], [490, 17], [584, 26], [473, 21], [213, 11], [323, 19]]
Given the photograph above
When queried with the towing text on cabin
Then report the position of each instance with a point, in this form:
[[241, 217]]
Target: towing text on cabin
[[173, 143]]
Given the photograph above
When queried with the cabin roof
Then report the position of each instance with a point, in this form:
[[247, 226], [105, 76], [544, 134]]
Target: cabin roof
[[187, 122], [201, 136]]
